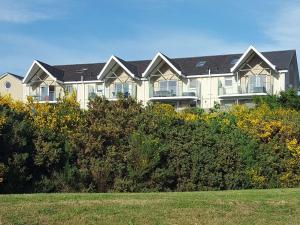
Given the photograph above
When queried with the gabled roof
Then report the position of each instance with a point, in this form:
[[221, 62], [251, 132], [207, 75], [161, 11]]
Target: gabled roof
[[49, 70], [130, 69], [248, 53], [172, 63], [55, 72], [217, 64], [11, 74], [281, 59]]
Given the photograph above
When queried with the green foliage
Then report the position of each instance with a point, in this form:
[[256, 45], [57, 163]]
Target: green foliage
[[101, 143], [287, 99], [124, 147]]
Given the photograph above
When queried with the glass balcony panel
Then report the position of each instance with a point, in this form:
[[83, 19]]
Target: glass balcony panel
[[126, 89], [171, 88], [254, 84]]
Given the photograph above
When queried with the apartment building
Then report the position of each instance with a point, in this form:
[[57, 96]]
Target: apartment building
[[183, 82]]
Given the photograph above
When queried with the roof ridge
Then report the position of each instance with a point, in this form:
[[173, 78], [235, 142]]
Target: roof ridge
[[175, 58], [12, 74], [231, 54], [77, 64]]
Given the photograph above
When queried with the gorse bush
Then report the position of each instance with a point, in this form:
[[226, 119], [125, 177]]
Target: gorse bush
[[123, 146]]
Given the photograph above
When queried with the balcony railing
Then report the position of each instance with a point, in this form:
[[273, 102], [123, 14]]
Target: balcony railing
[[114, 94], [45, 98], [236, 90], [173, 92]]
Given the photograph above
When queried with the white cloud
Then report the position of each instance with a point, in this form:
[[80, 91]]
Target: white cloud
[[24, 11]]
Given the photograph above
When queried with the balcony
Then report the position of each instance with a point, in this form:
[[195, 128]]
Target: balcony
[[43, 93], [125, 89], [239, 91], [44, 98], [173, 91], [114, 94], [246, 86]]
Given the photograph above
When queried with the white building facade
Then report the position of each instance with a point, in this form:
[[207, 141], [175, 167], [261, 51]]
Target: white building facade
[[183, 82]]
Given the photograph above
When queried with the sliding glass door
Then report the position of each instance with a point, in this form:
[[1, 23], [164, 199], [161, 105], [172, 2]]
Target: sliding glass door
[[257, 84], [44, 93], [47, 93]]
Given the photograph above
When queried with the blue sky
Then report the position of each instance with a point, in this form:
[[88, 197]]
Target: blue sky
[[74, 31]]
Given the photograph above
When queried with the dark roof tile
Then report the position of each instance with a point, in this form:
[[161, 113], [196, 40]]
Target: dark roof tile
[[57, 73], [217, 64], [78, 72]]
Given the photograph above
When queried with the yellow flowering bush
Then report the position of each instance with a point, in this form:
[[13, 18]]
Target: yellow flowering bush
[[18, 106], [257, 179], [265, 123], [274, 127], [168, 111], [60, 117], [122, 146], [293, 146], [2, 121]]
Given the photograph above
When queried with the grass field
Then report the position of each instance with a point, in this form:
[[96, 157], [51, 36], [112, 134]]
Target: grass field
[[281, 206]]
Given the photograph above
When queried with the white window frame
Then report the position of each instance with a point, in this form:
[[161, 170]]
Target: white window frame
[[258, 83], [168, 85], [47, 92], [128, 84], [101, 87], [7, 83], [228, 79], [196, 84]]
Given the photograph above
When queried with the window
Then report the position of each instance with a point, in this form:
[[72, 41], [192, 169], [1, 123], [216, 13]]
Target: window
[[169, 86], [228, 81], [91, 88], [118, 88], [193, 83], [257, 83], [123, 88], [234, 61], [7, 85], [200, 63], [51, 93], [51, 88], [44, 93], [69, 88], [91, 91], [163, 85], [99, 88], [173, 86], [126, 89]]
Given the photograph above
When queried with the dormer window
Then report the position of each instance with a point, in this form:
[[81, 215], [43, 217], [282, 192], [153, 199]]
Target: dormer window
[[201, 63], [234, 61]]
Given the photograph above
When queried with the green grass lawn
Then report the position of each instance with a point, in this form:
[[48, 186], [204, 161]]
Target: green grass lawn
[[278, 206]]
